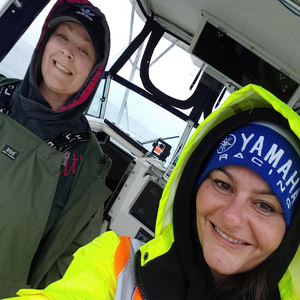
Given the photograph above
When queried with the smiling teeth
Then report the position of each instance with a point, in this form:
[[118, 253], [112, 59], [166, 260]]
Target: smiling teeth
[[59, 66], [223, 235]]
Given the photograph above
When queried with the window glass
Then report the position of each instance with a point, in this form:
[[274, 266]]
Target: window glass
[[131, 69], [95, 107], [141, 119], [15, 63], [172, 70]]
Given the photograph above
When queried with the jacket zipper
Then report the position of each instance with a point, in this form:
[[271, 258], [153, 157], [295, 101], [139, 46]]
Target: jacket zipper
[[137, 275]]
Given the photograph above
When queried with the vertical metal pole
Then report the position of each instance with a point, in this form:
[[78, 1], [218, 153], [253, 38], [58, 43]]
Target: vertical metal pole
[[104, 98], [126, 94], [180, 146]]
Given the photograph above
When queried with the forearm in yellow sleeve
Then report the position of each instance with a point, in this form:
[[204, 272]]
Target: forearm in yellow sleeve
[[91, 274]]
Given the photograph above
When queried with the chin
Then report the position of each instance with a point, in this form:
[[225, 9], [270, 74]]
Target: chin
[[222, 266]]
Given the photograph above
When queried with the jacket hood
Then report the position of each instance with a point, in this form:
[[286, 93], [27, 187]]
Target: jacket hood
[[82, 99], [176, 213]]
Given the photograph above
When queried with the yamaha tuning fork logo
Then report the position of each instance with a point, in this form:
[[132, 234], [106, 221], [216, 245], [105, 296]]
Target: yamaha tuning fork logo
[[226, 144]]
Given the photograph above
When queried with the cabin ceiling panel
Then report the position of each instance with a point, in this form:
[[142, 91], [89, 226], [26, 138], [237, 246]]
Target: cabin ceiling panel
[[267, 22]]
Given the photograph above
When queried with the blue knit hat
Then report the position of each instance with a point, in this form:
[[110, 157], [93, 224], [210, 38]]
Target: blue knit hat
[[270, 151]]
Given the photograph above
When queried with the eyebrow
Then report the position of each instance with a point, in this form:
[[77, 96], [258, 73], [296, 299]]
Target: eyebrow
[[230, 176]]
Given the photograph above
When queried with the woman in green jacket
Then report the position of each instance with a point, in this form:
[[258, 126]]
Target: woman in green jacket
[[228, 222], [53, 169]]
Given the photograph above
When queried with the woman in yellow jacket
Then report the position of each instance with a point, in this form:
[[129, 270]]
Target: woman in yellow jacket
[[228, 222]]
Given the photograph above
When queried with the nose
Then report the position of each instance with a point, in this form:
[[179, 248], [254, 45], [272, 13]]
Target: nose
[[235, 212], [68, 53]]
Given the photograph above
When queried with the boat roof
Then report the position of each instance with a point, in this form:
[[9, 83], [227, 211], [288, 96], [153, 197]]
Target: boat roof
[[271, 25]]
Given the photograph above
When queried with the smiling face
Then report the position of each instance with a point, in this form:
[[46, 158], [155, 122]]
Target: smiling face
[[68, 58], [239, 220]]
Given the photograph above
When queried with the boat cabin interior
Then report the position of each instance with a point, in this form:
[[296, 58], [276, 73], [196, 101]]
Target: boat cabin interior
[[171, 64]]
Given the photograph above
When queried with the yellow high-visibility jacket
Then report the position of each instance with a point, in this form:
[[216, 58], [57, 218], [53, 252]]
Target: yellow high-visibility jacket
[[112, 267]]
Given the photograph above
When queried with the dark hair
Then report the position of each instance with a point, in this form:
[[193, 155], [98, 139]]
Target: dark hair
[[252, 285]]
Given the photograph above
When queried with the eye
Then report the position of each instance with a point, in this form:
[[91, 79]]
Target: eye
[[265, 207], [221, 185], [221, 182], [63, 36], [83, 51]]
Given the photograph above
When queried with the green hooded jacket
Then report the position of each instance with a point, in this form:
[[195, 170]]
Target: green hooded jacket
[[31, 170], [51, 202]]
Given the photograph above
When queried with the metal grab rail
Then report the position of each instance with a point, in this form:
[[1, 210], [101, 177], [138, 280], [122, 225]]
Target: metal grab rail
[[5, 4]]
